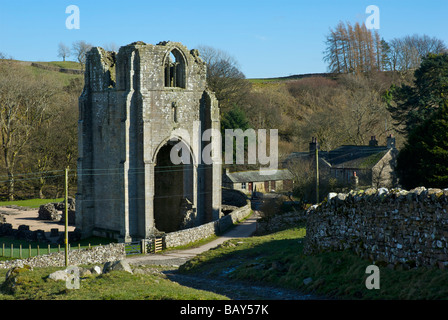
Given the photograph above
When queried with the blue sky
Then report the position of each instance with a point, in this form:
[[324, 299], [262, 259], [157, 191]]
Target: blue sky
[[267, 38]]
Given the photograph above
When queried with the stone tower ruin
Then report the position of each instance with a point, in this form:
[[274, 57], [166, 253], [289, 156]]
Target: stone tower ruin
[[136, 106]]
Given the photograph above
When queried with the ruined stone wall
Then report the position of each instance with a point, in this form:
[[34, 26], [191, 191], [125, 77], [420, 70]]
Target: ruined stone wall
[[128, 114], [398, 227], [186, 236]]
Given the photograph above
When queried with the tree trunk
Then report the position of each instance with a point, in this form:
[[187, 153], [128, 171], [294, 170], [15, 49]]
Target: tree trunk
[[10, 185], [41, 187]]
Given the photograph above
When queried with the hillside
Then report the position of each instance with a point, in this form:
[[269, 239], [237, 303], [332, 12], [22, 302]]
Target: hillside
[[338, 109], [61, 71]]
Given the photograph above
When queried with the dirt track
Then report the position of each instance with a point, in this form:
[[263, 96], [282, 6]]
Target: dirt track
[[25, 216]]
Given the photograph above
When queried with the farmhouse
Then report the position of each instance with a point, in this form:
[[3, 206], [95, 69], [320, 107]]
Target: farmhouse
[[256, 180], [370, 165]]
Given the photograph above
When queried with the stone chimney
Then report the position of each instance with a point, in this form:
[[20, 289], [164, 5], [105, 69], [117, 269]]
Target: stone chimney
[[313, 145], [373, 142], [354, 181], [390, 142]]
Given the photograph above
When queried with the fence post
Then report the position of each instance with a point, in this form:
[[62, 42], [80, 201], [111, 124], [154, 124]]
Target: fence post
[[48, 248], [67, 245], [29, 251], [20, 251], [12, 248], [3, 250], [143, 246], [38, 251]]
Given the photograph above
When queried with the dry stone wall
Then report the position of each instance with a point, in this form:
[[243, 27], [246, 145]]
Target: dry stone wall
[[280, 222], [398, 227], [186, 236]]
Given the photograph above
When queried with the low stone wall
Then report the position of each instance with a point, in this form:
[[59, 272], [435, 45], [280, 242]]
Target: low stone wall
[[97, 254], [280, 222], [397, 227], [53, 68], [186, 236]]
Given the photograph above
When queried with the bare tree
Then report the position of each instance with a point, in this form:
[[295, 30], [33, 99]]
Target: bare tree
[[224, 77], [63, 51], [111, 46], [406, 53], [364, 113], [24, 102], [3, 56], [80, 48], [352, 49]]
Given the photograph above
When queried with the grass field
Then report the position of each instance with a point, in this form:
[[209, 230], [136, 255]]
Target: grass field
[[150, 284], [62, 64], [31, 203]]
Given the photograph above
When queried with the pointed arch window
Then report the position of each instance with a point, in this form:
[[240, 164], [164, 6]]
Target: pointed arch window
[[175, 70]]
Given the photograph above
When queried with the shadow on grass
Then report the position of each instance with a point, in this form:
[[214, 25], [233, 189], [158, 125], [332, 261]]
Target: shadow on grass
[[278, 260]]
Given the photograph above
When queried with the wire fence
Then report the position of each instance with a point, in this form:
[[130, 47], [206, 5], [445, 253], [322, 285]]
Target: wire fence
[[18, 250]]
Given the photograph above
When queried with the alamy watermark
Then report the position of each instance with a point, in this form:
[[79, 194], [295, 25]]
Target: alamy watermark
[[73, 278], [373, 281], [73, 20], [234, 140], [373, 20]]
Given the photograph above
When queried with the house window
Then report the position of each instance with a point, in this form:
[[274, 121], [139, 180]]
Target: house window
[[175, 70], [243, 185]]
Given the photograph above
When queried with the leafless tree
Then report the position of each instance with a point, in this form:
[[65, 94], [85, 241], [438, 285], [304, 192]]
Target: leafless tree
[[111, 46], [80, 48], [24, 105], [364, 113], [63, 51], [407, 52], [3, 56], [224, 76], [353, 49]]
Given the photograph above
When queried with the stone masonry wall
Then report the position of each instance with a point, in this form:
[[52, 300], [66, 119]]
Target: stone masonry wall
[[97, 254], [398, 227], [186, 236]]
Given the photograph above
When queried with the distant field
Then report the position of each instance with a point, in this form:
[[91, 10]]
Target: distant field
[[60, 77], [265, 80], [31, 203], [62, 64]]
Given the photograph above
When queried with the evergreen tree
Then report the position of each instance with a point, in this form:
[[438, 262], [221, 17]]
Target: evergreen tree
[[410, 106], [235, 118], [424, 159]]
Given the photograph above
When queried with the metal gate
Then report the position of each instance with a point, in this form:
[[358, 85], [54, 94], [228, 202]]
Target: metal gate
[[133, 248]]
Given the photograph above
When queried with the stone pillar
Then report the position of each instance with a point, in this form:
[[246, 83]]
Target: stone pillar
[[149, 199]]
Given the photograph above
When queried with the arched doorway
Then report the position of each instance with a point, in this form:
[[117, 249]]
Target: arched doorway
[[173, 186]]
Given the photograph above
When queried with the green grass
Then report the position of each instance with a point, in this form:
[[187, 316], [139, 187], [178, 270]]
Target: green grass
[[42, 248], [116, 285], [277, 259], [30, 203], [60, 77], [62, 64]]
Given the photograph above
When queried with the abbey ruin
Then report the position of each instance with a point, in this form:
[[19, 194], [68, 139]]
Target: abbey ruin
[[136, 106]]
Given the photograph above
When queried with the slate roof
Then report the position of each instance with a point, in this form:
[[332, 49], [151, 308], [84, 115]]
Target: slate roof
[[347, 156], [257, 176], [362, 157]]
